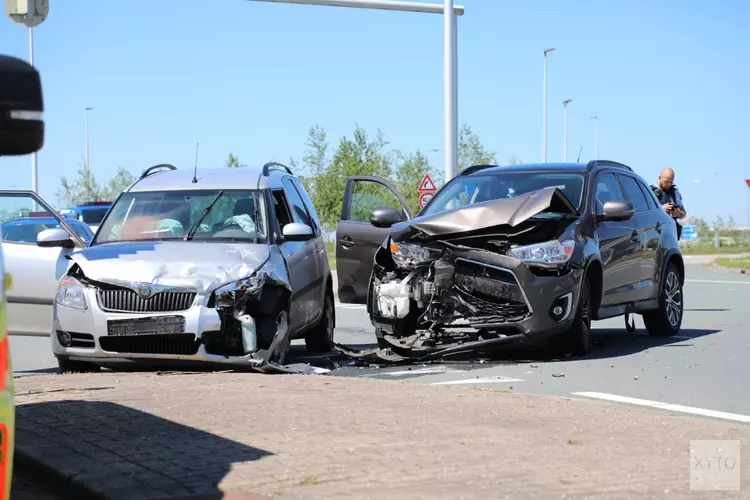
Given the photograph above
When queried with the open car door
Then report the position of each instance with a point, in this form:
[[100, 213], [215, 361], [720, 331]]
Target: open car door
[[35, 242], [356, 238]]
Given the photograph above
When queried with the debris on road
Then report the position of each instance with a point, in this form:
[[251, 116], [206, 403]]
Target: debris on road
[[558, 375]]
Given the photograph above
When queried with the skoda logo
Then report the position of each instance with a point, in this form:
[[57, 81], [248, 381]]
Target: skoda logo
[[144, 290]]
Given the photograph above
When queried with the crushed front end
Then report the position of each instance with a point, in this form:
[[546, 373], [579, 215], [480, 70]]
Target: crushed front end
[[435, 295]]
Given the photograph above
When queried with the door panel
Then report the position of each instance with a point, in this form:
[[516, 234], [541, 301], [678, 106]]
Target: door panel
[[35, 270], [357, 239]]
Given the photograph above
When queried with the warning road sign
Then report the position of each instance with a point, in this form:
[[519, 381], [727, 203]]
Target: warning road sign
[[426, 185], [424, 199], [747, 181]]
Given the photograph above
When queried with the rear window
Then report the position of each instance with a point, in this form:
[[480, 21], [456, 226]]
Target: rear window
[[93, 215]]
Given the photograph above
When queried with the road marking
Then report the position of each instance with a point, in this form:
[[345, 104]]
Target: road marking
[[666, 406], [420, 371], [484, 380], [719, 282]]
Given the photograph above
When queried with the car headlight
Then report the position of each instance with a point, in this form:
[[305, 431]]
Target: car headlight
[[70, 294], [407, 255], [550, 252], [227, 293]]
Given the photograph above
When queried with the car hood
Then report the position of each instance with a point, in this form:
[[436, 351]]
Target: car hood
[[481, 216], [202, 266]]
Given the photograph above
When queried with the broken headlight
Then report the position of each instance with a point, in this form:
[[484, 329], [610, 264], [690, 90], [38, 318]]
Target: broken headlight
[[550, 252], [227, 294], [408, 255], [70, 294]]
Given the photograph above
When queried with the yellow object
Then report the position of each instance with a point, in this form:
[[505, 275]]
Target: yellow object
[[7, 406]]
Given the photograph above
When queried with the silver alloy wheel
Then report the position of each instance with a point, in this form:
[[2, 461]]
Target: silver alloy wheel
[[674, 299]]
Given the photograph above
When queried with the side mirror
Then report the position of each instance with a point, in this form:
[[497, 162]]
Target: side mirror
[[385, 217], [21, 108], [297, 232], [54, 237], [617, 211]]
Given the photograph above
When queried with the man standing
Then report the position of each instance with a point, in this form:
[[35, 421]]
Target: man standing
[[669, 197]]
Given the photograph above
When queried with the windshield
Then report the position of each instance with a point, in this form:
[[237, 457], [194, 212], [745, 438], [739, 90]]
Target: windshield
[[236, 216], [472, 189], [93, 215]]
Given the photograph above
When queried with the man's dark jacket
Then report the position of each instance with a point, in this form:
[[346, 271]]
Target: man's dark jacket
[[671, 195]]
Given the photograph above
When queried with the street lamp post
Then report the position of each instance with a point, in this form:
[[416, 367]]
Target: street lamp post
[[544, 106], [88, 164], [34, 163], [450, 57], [565, 128], [596, 137]]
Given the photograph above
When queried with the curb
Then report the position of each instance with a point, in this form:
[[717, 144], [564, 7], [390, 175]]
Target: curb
[[62, 484]]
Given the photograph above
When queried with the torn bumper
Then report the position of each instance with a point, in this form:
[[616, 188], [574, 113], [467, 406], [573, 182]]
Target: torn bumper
[[481, 290]]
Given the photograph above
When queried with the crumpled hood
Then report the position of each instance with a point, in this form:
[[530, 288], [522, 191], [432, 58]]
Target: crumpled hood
[[485, 215], [200, 265]]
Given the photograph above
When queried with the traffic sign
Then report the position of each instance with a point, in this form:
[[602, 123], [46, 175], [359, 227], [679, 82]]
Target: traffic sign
[[424, 199], [426, 185], [27, 13], [689, 232], [747, 181]]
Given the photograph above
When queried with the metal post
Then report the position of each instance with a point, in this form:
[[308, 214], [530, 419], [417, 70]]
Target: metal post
[[544, 107], [565, 129], [450, 88], [34, 164], [596, 137]]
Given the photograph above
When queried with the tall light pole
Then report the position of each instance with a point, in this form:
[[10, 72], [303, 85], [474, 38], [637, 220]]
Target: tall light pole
[[596, 137], [544, 106], [88, 164], [34, 164], [450, 57], [565, 128]]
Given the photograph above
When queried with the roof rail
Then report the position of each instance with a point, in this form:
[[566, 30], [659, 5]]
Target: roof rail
[[474, 168], [272, 165], [607, 163], [150, 170]]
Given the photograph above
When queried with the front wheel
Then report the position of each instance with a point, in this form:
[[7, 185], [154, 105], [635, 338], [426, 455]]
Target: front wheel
[[70, 366], [667, 320]]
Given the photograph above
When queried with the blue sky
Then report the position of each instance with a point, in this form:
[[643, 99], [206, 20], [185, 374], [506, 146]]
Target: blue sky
[[668, 79]]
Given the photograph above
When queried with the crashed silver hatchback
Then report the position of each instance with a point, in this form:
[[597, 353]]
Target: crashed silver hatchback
[[221, 266]]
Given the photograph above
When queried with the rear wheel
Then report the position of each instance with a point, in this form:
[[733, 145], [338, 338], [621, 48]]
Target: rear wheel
[[70, 366], [578, 338], [667, 320]]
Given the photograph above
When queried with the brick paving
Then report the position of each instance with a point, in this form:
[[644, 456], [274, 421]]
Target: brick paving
[[146, 435]]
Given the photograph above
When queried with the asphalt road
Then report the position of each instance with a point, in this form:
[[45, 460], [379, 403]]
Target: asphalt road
[[705, 369]]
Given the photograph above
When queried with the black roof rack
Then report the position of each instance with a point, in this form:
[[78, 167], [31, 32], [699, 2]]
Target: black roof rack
[[272, 165], [151, 170], [607, 163], [474, 168]]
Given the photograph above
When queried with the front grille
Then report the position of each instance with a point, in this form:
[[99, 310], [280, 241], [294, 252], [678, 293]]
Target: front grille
[[124, 300], [477, 310], [179, 344]]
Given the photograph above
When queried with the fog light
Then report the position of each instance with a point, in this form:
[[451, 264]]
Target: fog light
[[65, 339], [557, 311], [560, 309]]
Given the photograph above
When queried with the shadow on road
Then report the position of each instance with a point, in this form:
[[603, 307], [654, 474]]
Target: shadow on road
[[115, 447]]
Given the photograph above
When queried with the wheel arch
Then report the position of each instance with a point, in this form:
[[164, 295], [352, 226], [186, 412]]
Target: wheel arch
[[673, 257], [595, 275]]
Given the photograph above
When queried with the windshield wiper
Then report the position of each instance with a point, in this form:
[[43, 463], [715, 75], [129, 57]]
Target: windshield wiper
[[202, 216]]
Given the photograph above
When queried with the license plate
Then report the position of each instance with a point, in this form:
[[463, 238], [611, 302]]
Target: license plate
[[157, 325]]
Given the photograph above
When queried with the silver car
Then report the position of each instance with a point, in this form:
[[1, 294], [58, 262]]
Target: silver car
[[218, 265]]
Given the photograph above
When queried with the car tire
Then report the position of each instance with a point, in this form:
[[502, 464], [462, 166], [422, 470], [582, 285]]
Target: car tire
[[577, 339], [267, 329], [667, 320], [320, 339], [70, 366]]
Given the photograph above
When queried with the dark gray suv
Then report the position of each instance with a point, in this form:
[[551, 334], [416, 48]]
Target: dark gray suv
[[524, 253]]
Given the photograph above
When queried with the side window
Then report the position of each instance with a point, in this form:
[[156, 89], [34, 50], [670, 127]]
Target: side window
[[369, 196], [607, 189], [83, 231], [299, 212], [23, 217], [281, 208], [308, 203], [633, 193], [653, 203]]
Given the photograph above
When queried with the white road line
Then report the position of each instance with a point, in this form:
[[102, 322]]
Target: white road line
[[421, 371], [484, 380], [666, 406], [719, 282]]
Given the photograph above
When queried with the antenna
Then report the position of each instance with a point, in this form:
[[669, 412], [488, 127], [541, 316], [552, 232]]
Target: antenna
[[195, 171], [579, 154]]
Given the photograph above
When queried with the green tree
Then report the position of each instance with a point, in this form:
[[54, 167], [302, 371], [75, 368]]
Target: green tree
[[117, 184], [471, 151], [84, 188], [409, 172], [233, 162]]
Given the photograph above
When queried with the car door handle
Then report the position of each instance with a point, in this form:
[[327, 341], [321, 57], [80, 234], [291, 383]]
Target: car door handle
[[346, 242]]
